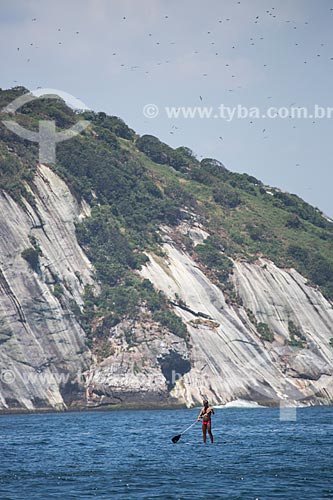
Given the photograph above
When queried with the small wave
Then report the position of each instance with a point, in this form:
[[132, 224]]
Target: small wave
[[240, 403]]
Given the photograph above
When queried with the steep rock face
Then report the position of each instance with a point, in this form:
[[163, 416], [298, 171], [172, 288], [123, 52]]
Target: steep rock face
[[144, 366], [43, 349], [42, 346], [228, 356]]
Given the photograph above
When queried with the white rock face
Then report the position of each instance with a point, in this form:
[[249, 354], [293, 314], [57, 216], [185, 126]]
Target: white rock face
[[194, 231], [43, 348], [229, 358], [42, 345]]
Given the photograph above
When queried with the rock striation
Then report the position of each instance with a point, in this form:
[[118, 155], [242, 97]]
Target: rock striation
[[229, 358], [44, 358], [42, 346]]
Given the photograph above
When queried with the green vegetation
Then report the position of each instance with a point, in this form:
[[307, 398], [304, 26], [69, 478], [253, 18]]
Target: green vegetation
[[251, 316], [132, 190], [172, 322], [265, 332], [210, 254], [31, 255], [263, 329], [297, 206], [180, 159], [109, 127], [125, 300], [226, 196], [58, 291], [297, 339], [218, 266], [103, 349]]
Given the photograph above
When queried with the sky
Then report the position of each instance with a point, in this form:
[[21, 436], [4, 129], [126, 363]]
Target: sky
[[240, 60]]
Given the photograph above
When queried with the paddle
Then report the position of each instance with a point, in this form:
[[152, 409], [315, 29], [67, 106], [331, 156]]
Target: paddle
[[175, 439]]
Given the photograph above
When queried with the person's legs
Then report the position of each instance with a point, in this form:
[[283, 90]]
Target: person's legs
[[204, 432], [209, 428]]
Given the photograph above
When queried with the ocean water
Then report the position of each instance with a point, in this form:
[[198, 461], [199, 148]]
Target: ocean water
[[129, 455]]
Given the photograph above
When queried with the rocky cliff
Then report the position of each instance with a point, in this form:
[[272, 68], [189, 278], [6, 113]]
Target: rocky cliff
[[42, 346], [132, 273], [44, 360], [229, 358]]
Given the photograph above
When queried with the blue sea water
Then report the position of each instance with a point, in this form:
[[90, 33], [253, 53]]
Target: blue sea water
[[129, 455]]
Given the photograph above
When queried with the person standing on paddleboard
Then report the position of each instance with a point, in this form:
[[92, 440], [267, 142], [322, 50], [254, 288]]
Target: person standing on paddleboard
[[205, 414]]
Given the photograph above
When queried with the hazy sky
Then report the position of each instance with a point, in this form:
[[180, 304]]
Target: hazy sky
[[120, 55]]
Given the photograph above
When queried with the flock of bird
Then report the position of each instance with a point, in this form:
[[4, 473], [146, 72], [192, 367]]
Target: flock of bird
[[210, 39], [252, 41]]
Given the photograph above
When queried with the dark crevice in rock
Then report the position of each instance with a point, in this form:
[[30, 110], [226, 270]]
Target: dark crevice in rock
[[214, 392], [188, 309], [173, 366], [244, 342], [5, 336], [40, 403], [71, 391]]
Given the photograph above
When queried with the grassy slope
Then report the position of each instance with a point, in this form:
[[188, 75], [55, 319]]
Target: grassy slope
[[263, 225]]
